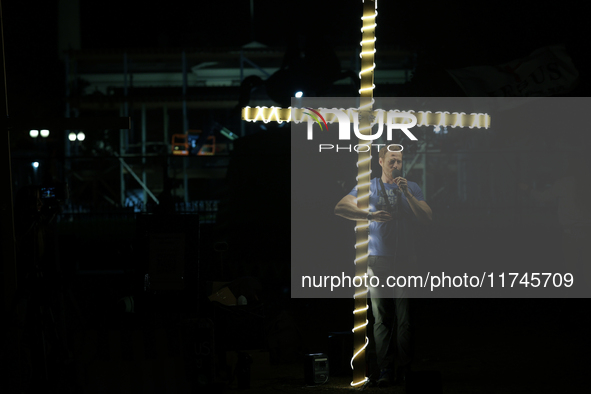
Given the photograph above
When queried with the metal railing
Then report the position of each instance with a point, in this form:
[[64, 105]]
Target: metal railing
[[107, 214]]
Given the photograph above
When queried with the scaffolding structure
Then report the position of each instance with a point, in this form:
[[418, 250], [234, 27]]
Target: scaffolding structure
[[166, 92]]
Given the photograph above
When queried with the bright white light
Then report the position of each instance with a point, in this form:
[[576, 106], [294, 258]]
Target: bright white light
[[34, 133], [361, 326], [72, 136], [366, 89], [80, 136], [35, 164], [361, 310], [44, 133], [368, 27], [367, 53], [299, 94]]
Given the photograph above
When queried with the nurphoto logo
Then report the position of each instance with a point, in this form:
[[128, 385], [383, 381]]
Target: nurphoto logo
[[315, 118], [394, 120]]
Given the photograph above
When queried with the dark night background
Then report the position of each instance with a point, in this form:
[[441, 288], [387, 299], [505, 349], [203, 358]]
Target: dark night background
[[478, 345]]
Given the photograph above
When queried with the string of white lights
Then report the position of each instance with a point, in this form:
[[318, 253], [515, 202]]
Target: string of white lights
[[362, 309], [442, 117], [360, 257], [363, 175], [361, 227], [424, 118], [366, 88], [474, 122], [363, 196], [361, 244], [354, 356], [362, 325], [363, 292], [458, 118], [362, 161]]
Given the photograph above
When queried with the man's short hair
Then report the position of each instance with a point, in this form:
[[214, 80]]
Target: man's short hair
[[385, 149]]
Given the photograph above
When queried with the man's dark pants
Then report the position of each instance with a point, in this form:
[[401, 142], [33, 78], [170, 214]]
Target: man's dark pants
[[391, 311]]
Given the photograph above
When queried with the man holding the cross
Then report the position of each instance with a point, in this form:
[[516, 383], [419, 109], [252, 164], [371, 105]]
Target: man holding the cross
[[395, 208]]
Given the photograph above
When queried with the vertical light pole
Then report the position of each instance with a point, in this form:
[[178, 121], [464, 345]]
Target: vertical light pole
[[368, 39]]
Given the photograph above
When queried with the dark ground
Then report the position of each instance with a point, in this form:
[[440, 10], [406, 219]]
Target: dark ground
[[481, 346], [476, 345]]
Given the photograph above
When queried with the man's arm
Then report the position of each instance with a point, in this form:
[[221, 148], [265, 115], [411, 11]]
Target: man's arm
[[348, 209], [420, 208]]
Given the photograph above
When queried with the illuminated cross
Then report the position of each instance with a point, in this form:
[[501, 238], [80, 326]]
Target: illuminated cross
[[366, 115]]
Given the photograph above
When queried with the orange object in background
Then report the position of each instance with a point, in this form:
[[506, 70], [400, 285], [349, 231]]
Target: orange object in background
[[180, 144], [208, 149]]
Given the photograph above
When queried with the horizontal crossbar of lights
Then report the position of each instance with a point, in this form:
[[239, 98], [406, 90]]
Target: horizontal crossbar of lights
[[424, 118]]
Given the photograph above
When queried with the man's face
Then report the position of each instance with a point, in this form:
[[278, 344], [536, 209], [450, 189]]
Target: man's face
[[391, 161]]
